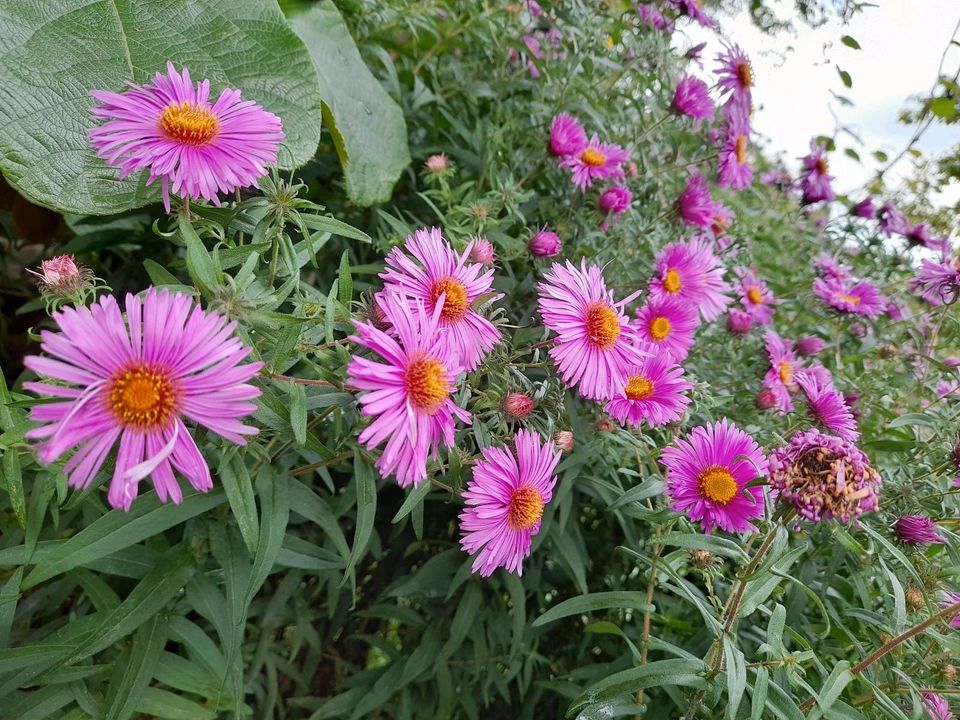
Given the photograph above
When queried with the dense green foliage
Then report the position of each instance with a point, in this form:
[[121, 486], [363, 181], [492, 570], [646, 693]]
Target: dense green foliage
[[305, 585]]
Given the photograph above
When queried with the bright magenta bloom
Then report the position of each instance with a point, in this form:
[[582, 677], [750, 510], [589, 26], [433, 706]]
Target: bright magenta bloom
[[917, 530], [409, 394], [865, 208], [170, 128], [936, 706], [135, 379], [668, 324], [824, 477], [436, 272], [815, 180], [810, 345], [695, 205], [739, 322], [615, 200], [691, 272], [733, 166], [692, 98], [862, 298], [707, 476], [736, 76], [596, 344], [781, 377], [505, 500], [597, 161], [827, 405], [654, 392], [936, 282], [567, 136], [756, 297], [545, 243]]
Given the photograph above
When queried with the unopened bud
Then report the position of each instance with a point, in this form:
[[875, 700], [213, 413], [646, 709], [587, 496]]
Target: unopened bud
[[914, 598], [517, 406], [563, 440], [766, 400]]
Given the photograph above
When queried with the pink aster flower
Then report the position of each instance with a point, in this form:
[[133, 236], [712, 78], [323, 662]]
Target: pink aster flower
[[862, 298], [690, 271], [654, 392], [827, 405], [408, 395], [615, 200], [917, 530], [824, 477], [650, 15], [61, 277], [597, 161], [936, 706], [810, 345], [197, 149], [545, 243], [567, 136], [694, 10], [936, 282], [505, 500], [739, 322], [781, 377], [135, 380], [692, 98], [596, 344], [733, 166], [891, 221], [435, 271], [865, 208], [828, 266], [815, 180], [756, 297], [707, 476], [668, 324], [736, 76], [695, 205], [949, 599]]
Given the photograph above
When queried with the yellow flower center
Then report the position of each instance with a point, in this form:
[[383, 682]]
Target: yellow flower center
[[593, 157], [189, 123], [671, 282], [717, 484], [755, 296], [786, 372], [427, 383], [745, 74], [603, 325], [740, 146], [142, 397], [659, 328], [639, 387], [455, 303], [850, 298], [822, 165], [525, 508]]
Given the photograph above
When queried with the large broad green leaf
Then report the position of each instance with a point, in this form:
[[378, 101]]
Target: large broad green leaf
[[367, 125], [53, 53]]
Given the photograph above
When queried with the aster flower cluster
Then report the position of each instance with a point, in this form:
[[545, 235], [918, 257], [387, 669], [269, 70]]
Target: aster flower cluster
[[839, 290]]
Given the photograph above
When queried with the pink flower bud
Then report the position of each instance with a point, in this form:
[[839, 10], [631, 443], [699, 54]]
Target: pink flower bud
[[62, 276], [563, 440], [482, 251], [517, 405], [766, 400], [739, 322], [437, 164], [545, 243], [605, 425], [615, 200], [810, 345]]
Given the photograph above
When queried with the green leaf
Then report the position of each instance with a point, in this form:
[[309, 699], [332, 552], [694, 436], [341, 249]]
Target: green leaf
[[845, 78], [674, 672], [346, 281], [298, 412], [169, 706], [620, 599], [850, 42], [133, 670], [366, 511], [236, 482], [117, 530], [55, 53], [691, 541], [202, 268], [158, 274], [908, 419], [306, 503], [838, 679], [367, 126], [943, 107], [736, 676], [758, 694], [9, 595]]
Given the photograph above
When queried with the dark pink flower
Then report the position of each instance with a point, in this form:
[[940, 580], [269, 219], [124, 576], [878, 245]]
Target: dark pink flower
[[810, 345], [815, 179], [766, 400], [733, 166], [736, 76], [917, 530], [781, 377], [695, 205], [668, 323], [615, 200], [865, 208], [597, 161], [862, 298], [567, 136], [692, 272], [756, 297], [517, 405], [936, 282], [545, 243], [891, 221], [827, 405], [654, 392], [739, 322], [692, 98], [650, 14]]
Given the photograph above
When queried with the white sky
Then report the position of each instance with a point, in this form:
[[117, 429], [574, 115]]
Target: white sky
[[902, 42]]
